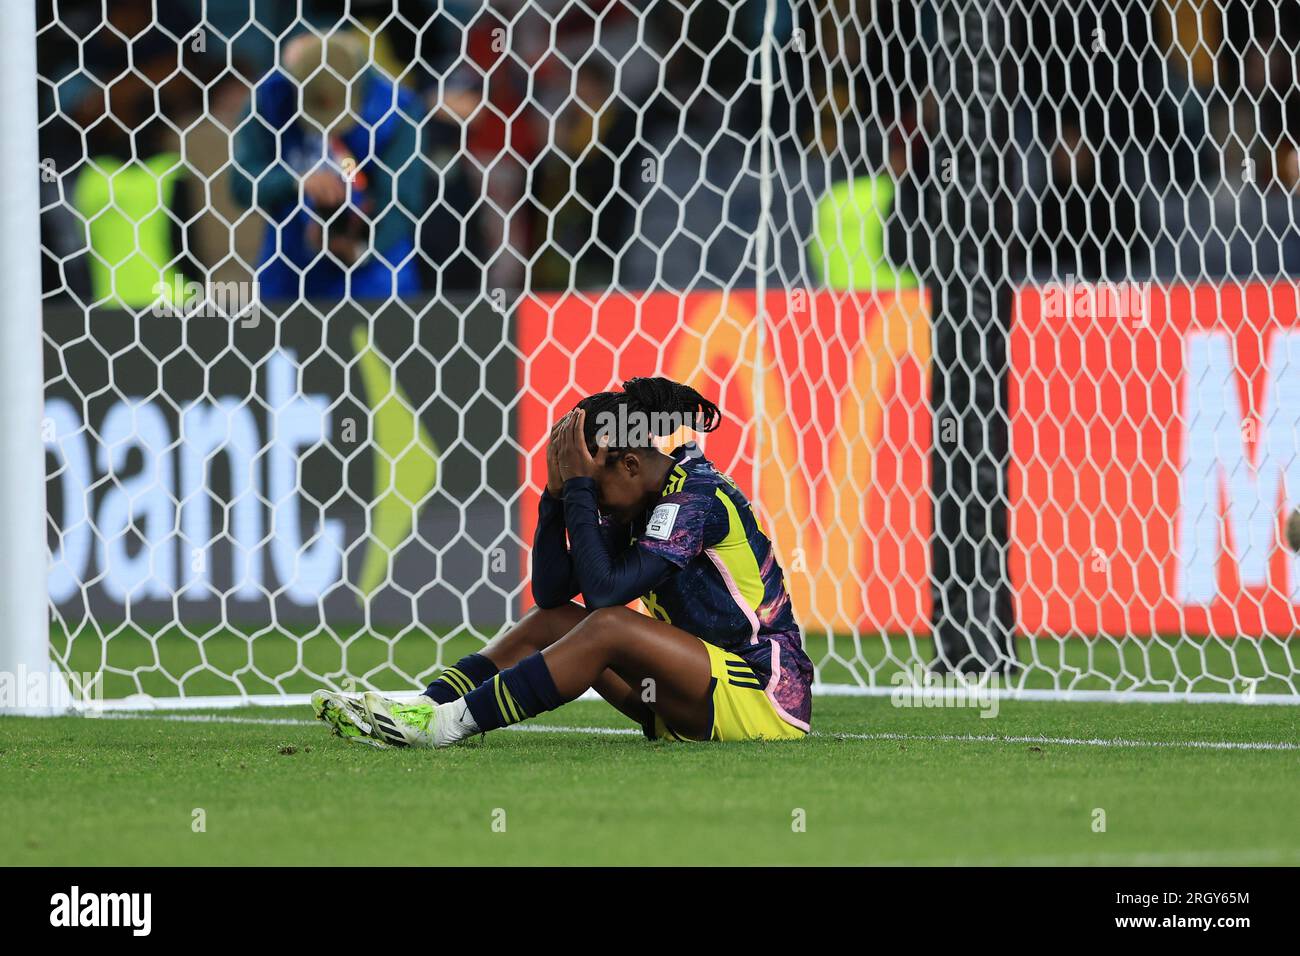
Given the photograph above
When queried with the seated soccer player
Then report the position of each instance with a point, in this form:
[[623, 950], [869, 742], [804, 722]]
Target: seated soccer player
[[721, 659]]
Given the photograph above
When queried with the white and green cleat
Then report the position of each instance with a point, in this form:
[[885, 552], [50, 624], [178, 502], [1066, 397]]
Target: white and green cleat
[[346, 716], [402, 723], [419, 722]]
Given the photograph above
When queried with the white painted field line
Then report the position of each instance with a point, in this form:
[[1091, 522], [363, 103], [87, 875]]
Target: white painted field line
[[1257, 856], [204, 719], [1081, 741], [1115, 742]]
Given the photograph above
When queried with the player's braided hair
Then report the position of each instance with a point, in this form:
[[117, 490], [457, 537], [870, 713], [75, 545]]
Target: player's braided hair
[[664, 404]]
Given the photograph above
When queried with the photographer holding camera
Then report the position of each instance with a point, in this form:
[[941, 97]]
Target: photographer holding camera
[[325, 153]]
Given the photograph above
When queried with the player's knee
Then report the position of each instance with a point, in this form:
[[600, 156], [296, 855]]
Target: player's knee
[[541, 627], [538, 614], [607, 623], [558, 610], [613, 615]]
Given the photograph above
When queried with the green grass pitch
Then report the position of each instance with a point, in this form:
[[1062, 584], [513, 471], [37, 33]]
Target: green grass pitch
[[911, 787]]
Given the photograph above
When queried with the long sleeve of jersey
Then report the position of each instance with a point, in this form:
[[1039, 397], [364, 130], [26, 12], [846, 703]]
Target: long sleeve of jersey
[[605, 578], [553, 580]]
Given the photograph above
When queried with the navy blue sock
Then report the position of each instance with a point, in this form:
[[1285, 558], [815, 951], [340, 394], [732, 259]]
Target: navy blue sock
[[461, 678], [514, 694]]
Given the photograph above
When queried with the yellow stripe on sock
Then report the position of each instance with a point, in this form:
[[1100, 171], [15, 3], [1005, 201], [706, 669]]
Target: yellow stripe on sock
[[458, 681], [450, 683], [496, 691], [504, 701], [515, 708]]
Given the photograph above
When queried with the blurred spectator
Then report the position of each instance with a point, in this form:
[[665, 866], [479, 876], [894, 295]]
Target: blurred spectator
[[502, 137], [118, 207], [550, 144], [127, 69], [341, 183], [137, 202], [849, 249], [451, 234], [243, 33], [584, 215], [1076, 230], [859, 103], [452, 242], [1258, 66]]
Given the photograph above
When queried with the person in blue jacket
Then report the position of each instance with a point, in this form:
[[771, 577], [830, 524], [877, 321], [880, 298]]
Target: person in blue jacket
[[339, 178]]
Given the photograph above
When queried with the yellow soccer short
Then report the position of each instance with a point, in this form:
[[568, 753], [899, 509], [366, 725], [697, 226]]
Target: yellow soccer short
[[741, 708]]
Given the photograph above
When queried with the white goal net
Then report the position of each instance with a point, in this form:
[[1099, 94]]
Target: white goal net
[[999, 302]]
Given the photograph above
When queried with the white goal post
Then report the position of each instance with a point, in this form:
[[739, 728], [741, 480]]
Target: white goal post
[[31, 685], [998, 300]]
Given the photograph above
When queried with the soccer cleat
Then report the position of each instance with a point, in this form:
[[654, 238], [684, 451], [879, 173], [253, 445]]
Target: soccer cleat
[[402, 723], [414, 723], [346, 716]]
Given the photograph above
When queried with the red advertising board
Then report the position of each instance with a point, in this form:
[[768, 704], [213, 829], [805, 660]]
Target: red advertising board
[[1154, 454]]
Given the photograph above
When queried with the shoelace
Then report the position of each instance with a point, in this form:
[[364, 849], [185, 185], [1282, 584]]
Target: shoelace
[[408, 715]]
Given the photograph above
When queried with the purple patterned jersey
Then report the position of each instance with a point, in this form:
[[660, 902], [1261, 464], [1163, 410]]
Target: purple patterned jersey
[[729, 589]]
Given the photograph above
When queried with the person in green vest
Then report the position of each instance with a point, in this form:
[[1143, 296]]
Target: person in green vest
[[133, 209], [848, 248], [120, 85]]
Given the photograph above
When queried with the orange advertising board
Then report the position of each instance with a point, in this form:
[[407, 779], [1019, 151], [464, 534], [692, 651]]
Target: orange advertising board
[[842, 439]]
